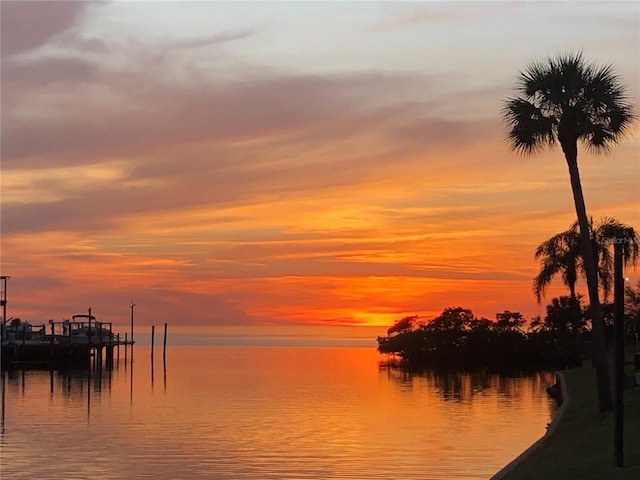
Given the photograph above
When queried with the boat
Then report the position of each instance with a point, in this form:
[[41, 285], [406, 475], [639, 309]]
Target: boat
[[25, 333], [83, 327]]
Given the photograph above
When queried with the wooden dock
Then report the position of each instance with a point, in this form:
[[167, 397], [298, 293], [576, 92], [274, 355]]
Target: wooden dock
[[76, 342]]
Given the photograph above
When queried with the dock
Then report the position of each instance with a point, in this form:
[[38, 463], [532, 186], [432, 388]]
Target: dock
[[76, 341], [67, 342]]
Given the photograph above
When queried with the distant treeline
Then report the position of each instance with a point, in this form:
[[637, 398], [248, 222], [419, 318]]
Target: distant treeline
[[457, 339]]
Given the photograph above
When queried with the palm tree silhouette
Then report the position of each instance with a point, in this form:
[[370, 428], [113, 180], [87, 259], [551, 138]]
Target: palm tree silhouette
[[558, 254], [608, 231], [562, 254], [564, 99]]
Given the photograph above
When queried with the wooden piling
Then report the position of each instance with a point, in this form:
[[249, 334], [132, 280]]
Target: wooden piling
[[108, 351], [153, 331], [131, 307], [164, 345]]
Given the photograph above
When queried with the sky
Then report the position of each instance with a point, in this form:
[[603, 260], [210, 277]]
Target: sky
[[233, 163]]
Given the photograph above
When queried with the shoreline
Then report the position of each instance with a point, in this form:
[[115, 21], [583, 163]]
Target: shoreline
[[504, 471], [581, 445]]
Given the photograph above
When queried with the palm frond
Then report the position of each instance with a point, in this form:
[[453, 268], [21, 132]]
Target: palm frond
[[568, 93], [614, 231], [605, 268], [543, 279], [558, 254], [530, 130]]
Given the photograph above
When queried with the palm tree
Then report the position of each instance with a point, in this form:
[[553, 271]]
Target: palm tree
[[564, 99], [558, 254], [563, 254], [608, 231]]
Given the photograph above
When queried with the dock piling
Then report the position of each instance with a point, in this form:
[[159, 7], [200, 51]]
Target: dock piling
[[164, 345], [153, 332], [131, 307]]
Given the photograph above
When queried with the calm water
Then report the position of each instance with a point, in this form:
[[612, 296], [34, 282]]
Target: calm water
[[271, 404]]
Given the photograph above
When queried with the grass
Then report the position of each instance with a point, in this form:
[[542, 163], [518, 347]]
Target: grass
[[582, 444]]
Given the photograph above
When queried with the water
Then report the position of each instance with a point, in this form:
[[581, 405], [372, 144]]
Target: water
[[285, 406]]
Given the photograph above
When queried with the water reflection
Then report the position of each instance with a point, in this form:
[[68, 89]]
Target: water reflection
[[69, 383], [74, 383], [465, 386], [265, 413]]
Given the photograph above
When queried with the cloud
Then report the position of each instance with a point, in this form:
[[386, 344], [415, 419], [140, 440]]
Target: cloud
[[124, 112], [27, 25], [434, 131], [402, 16], [20, 75], [215, 39], [96, 197], [110, 300]]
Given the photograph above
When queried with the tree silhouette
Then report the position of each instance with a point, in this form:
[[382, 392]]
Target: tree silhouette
[[564, 99], [456, 339], [559, 254], [402, 325], [562, 254], [632, 308], [605, 234]]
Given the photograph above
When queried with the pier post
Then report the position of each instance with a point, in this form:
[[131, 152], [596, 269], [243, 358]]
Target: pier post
[[125, 347], [99, 354], [131, 307], [3, 302], [109, 356], [164, 345], [153, 332], [89, 340]]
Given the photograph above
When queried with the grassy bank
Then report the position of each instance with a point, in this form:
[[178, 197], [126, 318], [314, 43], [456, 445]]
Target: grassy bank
[[582, 444]]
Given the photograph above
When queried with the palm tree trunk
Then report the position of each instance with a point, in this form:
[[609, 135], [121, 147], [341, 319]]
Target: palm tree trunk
[[600, 347], [576, 314], [572, 292]]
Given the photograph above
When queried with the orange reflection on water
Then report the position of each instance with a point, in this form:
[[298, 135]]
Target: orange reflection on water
[[267, 412]]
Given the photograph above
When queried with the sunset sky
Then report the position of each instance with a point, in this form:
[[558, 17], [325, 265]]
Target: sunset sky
[[249, 163]]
